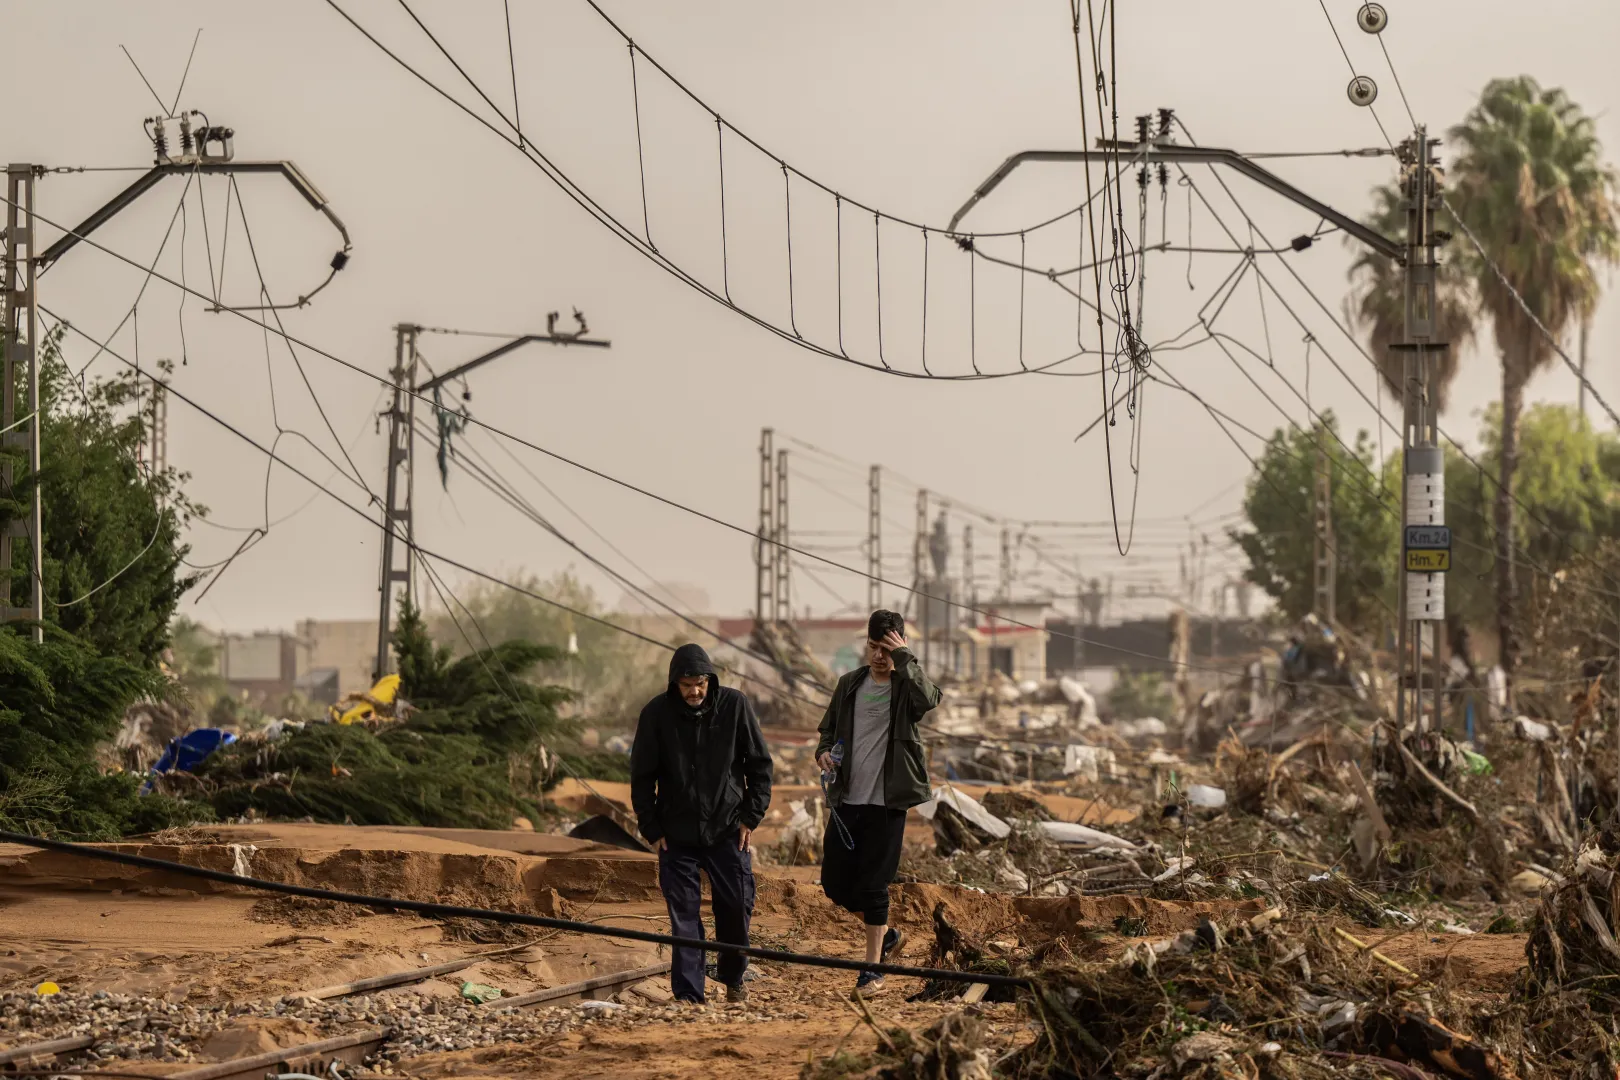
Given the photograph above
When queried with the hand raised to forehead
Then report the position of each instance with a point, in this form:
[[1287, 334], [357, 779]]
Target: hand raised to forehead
[[893, 640]]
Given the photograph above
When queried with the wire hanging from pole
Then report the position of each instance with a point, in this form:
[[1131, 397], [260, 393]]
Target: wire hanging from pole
[[725, 262], [973, 308], [877, 251], [787, 191], [838, 210], [641, 158], [511, 60], [925, 304], [1021, 277]]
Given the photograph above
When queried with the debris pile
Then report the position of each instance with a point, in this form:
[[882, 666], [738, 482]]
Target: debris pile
[[1267, 997]]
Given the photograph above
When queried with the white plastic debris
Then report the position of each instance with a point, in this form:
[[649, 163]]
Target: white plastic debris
[[802, 825], [1146, 728], [1089, 762], [242, 859], [1177, 865], [1206, 797], [1531, 730], [968, 807], [1066, 832], [1400, 916], [1342, 1016], [600, 1006]]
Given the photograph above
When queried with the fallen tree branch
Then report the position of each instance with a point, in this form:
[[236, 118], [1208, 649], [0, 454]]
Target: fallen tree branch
[[1411, 759]]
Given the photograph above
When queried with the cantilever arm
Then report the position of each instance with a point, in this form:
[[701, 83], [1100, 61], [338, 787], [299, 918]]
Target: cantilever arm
[[1191, 155], [295, 176], [502, 350]]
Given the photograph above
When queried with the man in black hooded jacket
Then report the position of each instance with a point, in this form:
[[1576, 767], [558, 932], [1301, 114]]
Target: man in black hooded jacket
[[700, 782]]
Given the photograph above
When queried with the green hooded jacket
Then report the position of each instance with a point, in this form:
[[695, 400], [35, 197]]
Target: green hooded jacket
[[905, 771]]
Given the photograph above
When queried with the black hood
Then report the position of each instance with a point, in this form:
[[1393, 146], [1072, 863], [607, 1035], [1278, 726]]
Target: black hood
[[690, 659]]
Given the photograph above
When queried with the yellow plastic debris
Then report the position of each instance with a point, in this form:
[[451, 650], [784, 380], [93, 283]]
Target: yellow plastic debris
[[365, 705], [46, 989]]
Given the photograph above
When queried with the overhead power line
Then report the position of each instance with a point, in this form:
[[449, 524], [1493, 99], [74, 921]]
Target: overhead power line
[[751, 534], [505, 128]]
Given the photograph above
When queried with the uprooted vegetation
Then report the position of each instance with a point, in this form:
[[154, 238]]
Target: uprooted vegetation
[[469, 753]]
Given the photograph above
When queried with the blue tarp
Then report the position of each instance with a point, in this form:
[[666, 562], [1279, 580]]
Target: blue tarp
[[188, 751]]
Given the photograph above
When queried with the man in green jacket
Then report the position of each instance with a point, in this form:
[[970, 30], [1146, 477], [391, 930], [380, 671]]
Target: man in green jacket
[[871, 758]]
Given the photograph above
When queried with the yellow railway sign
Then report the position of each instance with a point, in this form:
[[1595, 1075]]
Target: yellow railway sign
[[1419, 561]]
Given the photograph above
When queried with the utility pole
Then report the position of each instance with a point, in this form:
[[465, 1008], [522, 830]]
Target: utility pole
[[20, 437], [1426, 542], [764, 553], [399, 525], [874, 538], [398, 565], [920, 559], [160, 426], [1325, 560], [784, 593], [970, 592], [1425, 554], [1003, 589], [202, 149], [1079, 616]]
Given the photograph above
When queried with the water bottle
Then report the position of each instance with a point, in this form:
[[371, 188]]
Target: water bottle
[[837, 754]]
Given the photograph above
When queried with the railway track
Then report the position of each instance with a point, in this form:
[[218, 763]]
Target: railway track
[[350, 1049]]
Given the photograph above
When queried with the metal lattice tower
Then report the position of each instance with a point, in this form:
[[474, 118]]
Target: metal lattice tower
[[1324, 559], [783, 608], [874, 538], [764, 559], [919, 557], [19, 437], [399, 536], [399, 529]]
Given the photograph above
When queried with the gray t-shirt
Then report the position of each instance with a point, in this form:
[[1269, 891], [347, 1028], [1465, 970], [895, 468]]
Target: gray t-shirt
[[869, 741]]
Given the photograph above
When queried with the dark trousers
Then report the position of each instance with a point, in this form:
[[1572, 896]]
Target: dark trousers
[[731, 891], [856, 875]]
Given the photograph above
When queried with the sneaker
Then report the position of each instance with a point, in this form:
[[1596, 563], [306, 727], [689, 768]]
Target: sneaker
[[868, 985], [892, 943], [736, 995]]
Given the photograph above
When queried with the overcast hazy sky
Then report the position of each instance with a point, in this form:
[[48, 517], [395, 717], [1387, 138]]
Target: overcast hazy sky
[[902, 106]]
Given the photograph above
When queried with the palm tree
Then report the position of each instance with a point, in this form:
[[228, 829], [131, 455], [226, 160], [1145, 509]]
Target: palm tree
[[1528, 180], [1377, 307]]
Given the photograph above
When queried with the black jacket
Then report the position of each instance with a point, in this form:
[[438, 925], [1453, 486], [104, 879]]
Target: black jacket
[[696, 775], [905, 767]]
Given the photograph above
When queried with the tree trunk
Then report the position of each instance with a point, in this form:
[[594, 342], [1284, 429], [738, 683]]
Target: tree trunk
[[1586, 337], [1506, 590]]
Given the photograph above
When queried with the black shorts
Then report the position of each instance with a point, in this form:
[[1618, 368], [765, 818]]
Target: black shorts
[[856, 875]]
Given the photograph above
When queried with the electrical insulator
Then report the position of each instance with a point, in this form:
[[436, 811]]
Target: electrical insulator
[[185, 135], [1166, 119], [1372, 18], [1164, 175], [1142, 123], [1362, 91], [160, 141]]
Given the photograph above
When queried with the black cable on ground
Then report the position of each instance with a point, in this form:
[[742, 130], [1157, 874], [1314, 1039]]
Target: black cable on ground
[[422, 907]]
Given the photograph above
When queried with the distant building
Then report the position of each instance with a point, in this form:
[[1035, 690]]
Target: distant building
[[346, 647], [261, 667], [1144, 644]]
